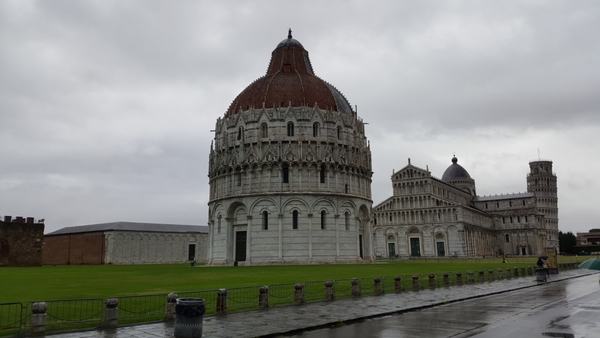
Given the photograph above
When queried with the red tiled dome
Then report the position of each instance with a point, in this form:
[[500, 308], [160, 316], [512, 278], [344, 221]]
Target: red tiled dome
[[289, 80]]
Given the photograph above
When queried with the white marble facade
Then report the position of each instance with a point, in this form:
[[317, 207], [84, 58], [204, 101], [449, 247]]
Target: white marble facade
[[429, 217]]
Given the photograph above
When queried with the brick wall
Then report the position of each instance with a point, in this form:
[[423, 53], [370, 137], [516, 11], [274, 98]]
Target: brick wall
[[75, 249], [21, 243]]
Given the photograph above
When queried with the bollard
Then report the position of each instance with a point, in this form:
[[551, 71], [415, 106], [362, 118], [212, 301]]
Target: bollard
[[263, 297], [490, 274], [508, 272], [446, 279], [355, 286], [516, 272], [530, 270], [171, 301], [38, 317], [470, 278], [398, 284], [221, 301], [415, 279], [431, 280], [459, 278], [523, 272], [190, 314], [111, 314], [377, 287], [299, 293], [500, 273], [329, 290], [481, 276]]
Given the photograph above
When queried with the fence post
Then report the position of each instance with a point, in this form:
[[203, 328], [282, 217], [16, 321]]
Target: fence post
[[431, 280], [38, 317], [446, 279], [263, 297], [171, 302], [459, 278], [516, 272], [491, 274], [415, 284], [398, 284], [523, 272], [221, 301], [299, 293], [111, 314], [500, 273], [377, 287], [329, 291], [481, 276], [470, 278], [355, 286], [508, 271]]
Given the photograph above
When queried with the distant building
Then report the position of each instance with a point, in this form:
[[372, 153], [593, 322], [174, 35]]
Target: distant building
[[290, 171], [430, 217], [21, 241], [588, 238], [126, 243]]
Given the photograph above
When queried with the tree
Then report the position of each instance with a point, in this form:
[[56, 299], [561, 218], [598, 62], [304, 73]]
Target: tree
[[595, 230], [567, 242]]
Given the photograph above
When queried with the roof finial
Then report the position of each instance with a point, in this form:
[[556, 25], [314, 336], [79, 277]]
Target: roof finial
[[289, 33], [409, 160]]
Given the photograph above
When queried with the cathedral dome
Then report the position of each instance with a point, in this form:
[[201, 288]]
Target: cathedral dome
[[455, 172], [290, 81]]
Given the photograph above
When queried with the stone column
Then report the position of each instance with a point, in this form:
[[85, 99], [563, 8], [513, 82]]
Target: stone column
[[431, 280], [355, 286], [280, 221], [38, 317], [221, 301], [171, 302], [377, 287], [329, 291], [415, 282], [397, 284], [263, 297], [111, 314], [299, 293], [309, 235]]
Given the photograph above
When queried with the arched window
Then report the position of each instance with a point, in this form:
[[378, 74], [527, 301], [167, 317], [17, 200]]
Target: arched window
[[219, 224], [323, 219], [322, 173], [240, 135], [238, 179], [347, 220], [285, 173], [265, 215], [507, 238], [315, 129], [346, 188], [264, 130], [290, 129], [295, 219], [339, 133]]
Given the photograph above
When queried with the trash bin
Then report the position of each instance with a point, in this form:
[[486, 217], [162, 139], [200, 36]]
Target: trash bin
[[541, 274], [188, 321]]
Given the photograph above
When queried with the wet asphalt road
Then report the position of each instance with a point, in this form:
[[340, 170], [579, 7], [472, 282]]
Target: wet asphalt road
[[569, 308]]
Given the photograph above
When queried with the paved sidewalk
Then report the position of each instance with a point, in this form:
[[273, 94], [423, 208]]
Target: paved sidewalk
[[296, 318]]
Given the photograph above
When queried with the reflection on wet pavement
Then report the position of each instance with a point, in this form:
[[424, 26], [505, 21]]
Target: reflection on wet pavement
[[569, 308]]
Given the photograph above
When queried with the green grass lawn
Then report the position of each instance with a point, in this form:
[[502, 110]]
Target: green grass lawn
[[103, 281]]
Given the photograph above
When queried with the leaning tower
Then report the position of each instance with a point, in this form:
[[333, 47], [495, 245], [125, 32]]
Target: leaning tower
[[290, 171], [542, 182]]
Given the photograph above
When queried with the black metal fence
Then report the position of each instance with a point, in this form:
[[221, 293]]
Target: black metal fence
[[62, 315]]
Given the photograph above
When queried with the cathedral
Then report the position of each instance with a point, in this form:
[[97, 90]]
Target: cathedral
[[290, 183], [290, 171], [431, 217]]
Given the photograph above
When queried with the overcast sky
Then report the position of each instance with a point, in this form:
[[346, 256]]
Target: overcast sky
[[106, 106]]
